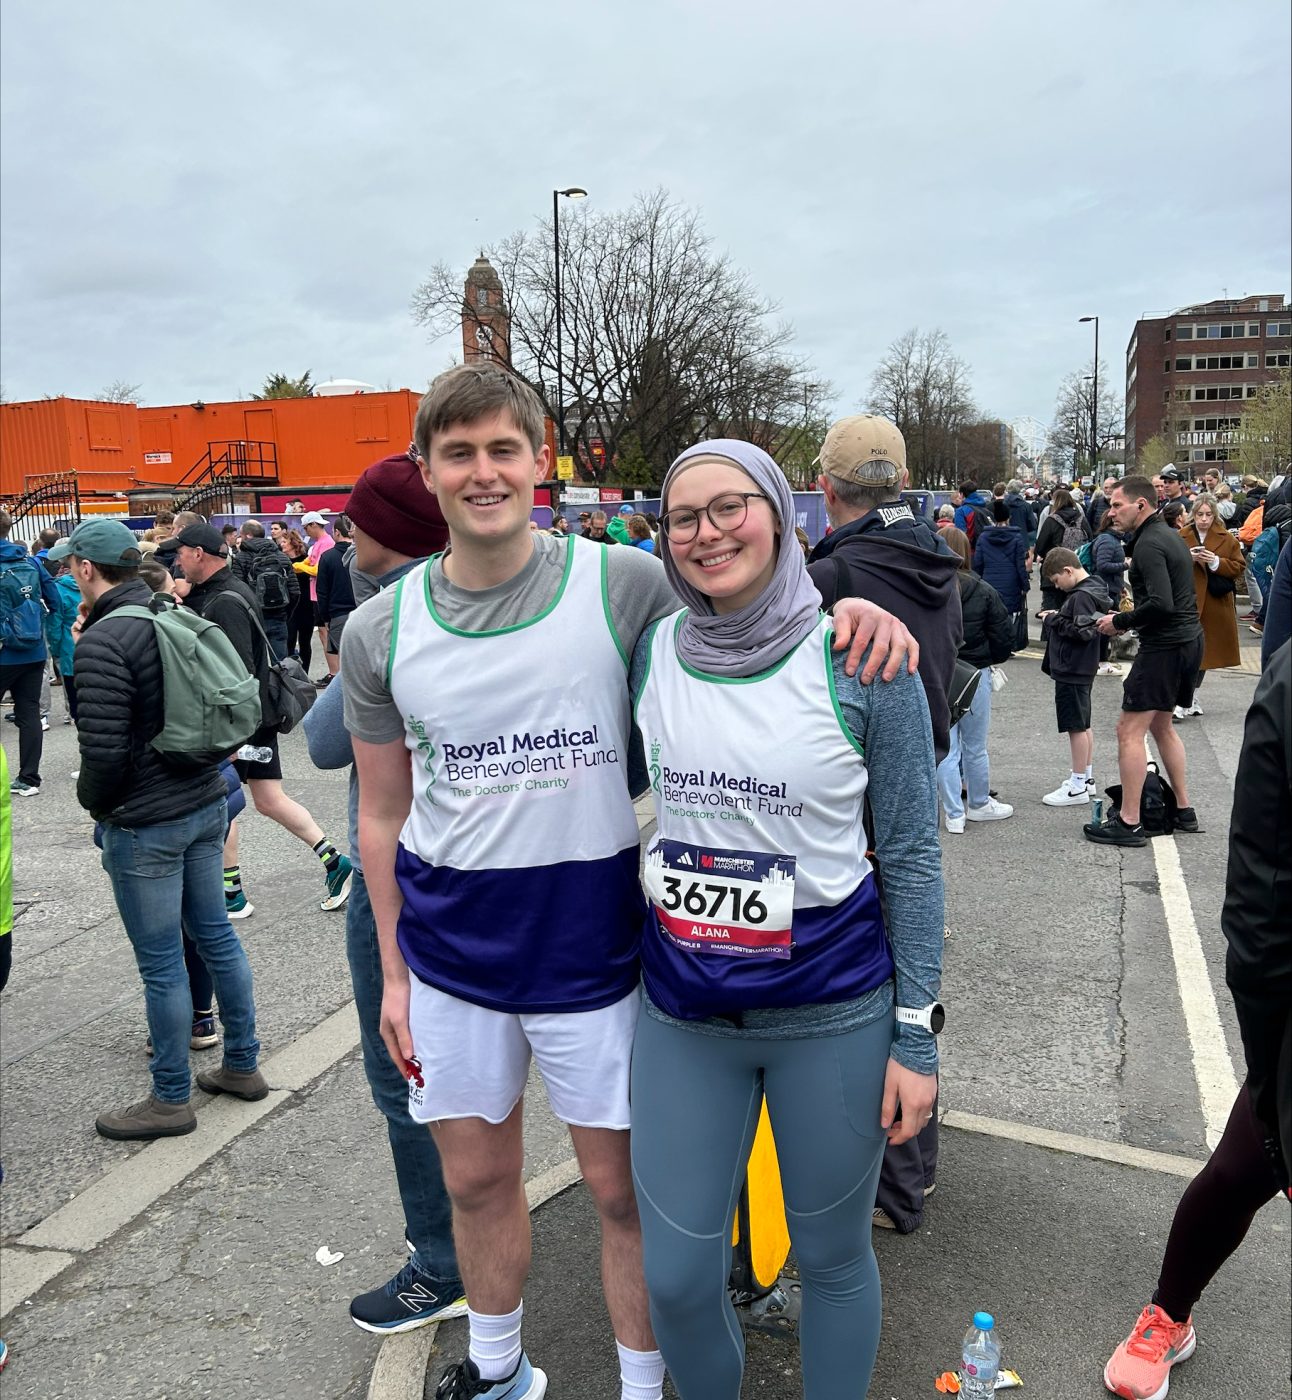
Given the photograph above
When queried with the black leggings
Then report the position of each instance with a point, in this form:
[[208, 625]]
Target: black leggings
[[1216, 1210], [300, 626]]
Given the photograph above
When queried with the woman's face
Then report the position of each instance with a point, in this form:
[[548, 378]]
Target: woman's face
[[730, 565], [1203, 519]]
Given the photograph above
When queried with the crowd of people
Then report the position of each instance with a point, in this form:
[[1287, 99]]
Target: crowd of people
[[782, 942]]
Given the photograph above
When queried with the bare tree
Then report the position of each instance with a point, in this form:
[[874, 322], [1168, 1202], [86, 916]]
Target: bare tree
[[1070, 432], [664, 341], [923, 387], [120, 392]]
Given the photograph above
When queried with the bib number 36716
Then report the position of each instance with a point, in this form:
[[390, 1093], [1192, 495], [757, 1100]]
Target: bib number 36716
[[708, 900]]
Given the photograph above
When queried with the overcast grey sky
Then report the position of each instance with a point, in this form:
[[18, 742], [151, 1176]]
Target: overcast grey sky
[[195, 196]]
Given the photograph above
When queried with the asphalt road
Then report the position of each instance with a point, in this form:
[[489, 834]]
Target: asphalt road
[[1065, 1010]]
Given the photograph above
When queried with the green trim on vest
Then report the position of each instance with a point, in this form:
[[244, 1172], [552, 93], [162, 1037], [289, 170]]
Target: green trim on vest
[[834, 697], [733, 680], [515, 626]]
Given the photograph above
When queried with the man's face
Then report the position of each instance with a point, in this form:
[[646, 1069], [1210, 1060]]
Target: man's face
[[196, 564], [1126, 511], [314, 530], [957, 498], [483, 476], [1109, 483], [1172, 490], [277, 531], [597, 527]]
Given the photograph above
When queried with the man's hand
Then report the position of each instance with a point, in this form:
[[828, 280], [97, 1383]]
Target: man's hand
[[1105, 626], [866, 625], [1047, 612], [394, 1018], [915, 1093]]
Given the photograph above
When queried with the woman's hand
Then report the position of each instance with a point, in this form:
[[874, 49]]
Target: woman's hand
[[866, 625], [915, 1093]]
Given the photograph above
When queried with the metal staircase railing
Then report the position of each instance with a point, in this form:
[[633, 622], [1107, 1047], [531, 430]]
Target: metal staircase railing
[[223, 470]]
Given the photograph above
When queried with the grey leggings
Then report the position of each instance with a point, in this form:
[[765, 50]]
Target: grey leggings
[[695, 1106]]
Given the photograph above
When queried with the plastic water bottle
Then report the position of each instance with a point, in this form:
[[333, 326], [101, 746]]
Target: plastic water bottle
[[979, 1359], [249, 753]]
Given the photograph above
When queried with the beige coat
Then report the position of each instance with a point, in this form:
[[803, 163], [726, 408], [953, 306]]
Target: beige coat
[[1219, 615]]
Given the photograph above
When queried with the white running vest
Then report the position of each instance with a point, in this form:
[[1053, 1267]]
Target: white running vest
[[758, 879], [518, 861]]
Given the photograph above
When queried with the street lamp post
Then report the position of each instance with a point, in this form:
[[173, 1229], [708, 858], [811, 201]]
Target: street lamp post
[[1094, 400], [574, 192]]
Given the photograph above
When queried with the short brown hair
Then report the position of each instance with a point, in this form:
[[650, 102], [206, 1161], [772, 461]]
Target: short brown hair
[[467, 393], [959, 542], [1137, 488], [154, 573], [1058, 559]]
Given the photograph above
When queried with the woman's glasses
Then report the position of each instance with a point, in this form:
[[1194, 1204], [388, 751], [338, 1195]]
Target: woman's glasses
[[725, 512]]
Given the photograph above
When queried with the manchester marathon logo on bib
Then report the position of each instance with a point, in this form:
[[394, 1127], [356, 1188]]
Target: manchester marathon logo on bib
[[710, 900]]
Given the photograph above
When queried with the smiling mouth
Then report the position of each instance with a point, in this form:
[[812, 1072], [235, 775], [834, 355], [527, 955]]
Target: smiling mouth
[[714, 560], [485, 500]]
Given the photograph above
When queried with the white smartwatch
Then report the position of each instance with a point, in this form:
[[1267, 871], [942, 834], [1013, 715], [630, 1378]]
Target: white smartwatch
[[931, 1017]]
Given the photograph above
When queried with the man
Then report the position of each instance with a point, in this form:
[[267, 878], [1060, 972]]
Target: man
[[27, 593], [162, 834], [585, 523], [597, 529], [1098, 505], [505, 897], [880, 551], [1164, 671], [1172, 486], [397, 523], [972, 510], [1022, 516], [163, 525], [335, 596], [278, 532], [314, 523], [229, 533], [215, 594], [269, 576]]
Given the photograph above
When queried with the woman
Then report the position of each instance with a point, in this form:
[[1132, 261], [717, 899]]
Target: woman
[[988, 640], [1225, 503], [1217, 565], [639, 533], [765, 962], [300, 621], [1066, 525]]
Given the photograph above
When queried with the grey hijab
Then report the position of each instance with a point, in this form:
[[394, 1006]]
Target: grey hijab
[[757, 636]]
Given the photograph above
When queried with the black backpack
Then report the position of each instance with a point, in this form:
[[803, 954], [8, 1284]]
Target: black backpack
[[269, 576], [1157, 804], [978, 521]]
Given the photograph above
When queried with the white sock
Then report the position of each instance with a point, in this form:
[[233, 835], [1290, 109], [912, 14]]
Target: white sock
[[641, 1374], [495, 1343], [1077, 783]]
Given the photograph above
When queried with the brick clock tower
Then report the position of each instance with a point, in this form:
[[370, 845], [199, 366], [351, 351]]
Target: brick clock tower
[[486, 326]]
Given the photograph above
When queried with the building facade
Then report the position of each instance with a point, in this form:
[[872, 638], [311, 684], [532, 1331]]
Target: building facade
[[486, 324], [1190, 374]]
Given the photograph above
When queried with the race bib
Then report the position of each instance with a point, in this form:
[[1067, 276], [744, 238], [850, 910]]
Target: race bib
[[707, 900]]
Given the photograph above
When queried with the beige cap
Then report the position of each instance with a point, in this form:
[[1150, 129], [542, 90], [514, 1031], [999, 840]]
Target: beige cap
[[864, 449]]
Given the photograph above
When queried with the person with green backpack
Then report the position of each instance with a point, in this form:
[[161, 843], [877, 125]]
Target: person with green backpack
[[162, 696]]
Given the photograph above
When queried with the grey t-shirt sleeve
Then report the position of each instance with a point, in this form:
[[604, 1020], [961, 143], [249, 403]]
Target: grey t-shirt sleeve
[[639, 592], [370, 713]]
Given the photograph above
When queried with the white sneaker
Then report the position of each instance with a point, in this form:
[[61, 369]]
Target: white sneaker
[[1063, 796], [44, 722], [1091, 789], [1109, 668], [1194, 709], [1179, 713], [990, 811], [956, 825]]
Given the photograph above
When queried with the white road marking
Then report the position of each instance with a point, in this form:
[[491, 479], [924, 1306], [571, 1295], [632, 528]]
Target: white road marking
[[1212, 1067], [1097, 1148]]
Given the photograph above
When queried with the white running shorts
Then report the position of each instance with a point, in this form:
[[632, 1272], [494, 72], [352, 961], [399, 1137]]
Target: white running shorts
[[475, 1062]]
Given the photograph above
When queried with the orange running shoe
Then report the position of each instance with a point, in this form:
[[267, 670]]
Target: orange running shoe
[[1140, 1369]]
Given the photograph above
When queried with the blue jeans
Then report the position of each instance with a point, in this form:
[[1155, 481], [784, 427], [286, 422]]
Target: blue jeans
[[968, 752], [163, 876], [428, 1217], [276, 631]]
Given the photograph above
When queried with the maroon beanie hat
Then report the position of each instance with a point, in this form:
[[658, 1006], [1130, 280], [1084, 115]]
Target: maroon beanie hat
[[390, 502]]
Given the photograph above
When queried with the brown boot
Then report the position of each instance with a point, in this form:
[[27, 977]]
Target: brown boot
[[151, 1118], [246, 1084]]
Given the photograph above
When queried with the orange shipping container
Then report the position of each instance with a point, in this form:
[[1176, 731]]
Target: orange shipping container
[[99, 441]]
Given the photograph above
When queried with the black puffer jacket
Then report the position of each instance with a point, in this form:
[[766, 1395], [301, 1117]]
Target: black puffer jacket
[[989, 632], [124, 780], [257, 554]]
